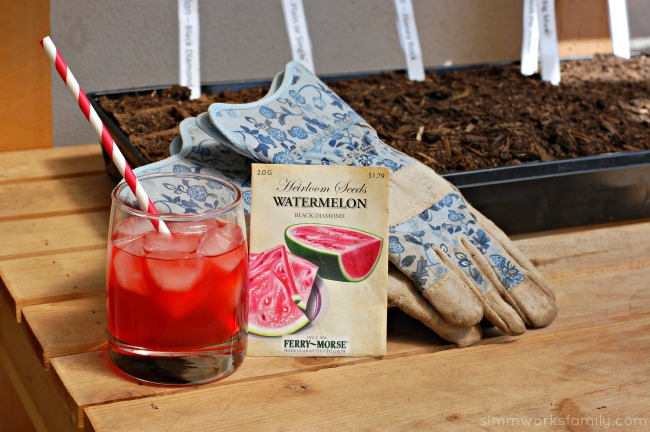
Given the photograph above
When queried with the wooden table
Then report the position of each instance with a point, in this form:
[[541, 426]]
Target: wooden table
[[589, 369]]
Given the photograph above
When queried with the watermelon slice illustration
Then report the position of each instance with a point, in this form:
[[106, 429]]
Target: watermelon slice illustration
[[304, 274], [271, 310], [275, 259], [341, 254], [280, 286]]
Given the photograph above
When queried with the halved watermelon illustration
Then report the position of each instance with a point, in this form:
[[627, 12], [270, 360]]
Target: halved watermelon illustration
[[280, 285], [341, 254]]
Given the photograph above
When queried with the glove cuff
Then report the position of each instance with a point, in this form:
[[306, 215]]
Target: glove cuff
[[414, 189]]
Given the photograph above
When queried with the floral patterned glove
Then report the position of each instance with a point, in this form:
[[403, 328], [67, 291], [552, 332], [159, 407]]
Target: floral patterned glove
[[197, 152], [461, 263]]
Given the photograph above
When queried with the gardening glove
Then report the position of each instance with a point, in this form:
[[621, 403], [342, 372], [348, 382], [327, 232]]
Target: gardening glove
[[461, 263], [200, 149], [197, 152]]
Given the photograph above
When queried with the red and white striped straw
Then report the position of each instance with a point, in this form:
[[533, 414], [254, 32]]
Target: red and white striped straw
[[103, 134]]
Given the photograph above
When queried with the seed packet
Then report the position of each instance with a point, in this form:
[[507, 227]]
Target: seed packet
[[318, 266]]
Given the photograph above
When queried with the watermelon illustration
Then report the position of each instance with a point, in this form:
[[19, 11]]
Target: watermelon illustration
[[271, 310], [280, 285], [276, 259], [341, 254], [304, 274]]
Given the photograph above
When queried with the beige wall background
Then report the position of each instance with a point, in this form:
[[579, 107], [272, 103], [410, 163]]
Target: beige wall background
[[125, 44]]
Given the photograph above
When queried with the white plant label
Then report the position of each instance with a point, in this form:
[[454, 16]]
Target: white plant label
[[188, 47], [409, 39], [548, 46], [619, 28], [530, 39], [296, 23]]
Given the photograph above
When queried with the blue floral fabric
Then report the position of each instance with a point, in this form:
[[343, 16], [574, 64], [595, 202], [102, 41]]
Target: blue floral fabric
[[181, 195], [197, 152], [441, 226], [302, 121]]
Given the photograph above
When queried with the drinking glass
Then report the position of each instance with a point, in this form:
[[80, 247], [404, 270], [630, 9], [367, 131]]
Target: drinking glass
[[177, 301]]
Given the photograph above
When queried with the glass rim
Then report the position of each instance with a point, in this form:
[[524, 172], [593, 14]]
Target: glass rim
[[176, 216]]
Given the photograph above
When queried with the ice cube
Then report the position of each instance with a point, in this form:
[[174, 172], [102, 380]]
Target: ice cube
[[129, 272], [232, 230], [174, 246], [218, 241], [134, 246], [198, 226], [132, 228], [176, 274]]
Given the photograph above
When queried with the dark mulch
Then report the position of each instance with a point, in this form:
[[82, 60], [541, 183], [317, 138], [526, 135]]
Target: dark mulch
[[456, 120]]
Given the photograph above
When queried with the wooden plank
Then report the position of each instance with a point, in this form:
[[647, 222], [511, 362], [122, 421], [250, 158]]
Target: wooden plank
[[584, 47], [26, 108], [623, 407], [55, 197], [78, 326], [582, 27], [67, 327], [588, 258], [578, 297], [561, 257], [50, 278], [90, 378], [13, 414], [607, 249], [593, 300], [50, 163], [81, 375], [53, 235], [34, 383], [429, 391]]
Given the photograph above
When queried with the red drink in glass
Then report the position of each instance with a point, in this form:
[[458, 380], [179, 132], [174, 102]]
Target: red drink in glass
[[177, 303]]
